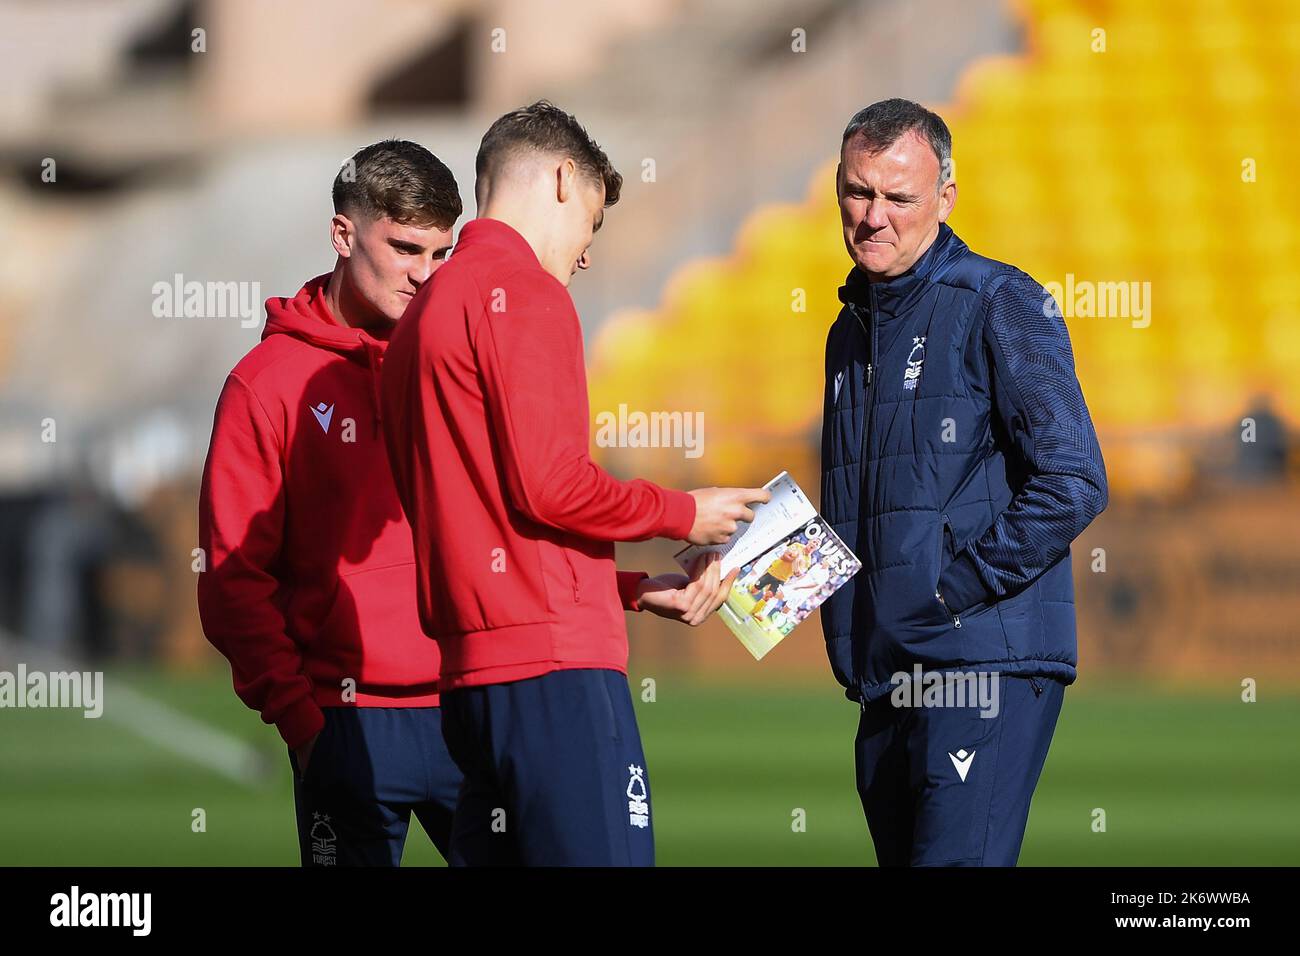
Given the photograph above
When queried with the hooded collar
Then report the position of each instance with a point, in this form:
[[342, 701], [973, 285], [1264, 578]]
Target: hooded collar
[[307, 317], [895, 294]]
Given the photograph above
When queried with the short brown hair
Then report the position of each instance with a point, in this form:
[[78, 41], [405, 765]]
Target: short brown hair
[[546, 128], [399, 180], [881, 124]]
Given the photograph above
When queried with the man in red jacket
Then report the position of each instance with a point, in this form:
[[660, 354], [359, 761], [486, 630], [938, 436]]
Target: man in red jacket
[[487, 424], [310, 587]]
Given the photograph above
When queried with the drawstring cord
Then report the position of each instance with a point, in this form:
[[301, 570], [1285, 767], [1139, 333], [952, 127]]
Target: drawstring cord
[[372, 363]]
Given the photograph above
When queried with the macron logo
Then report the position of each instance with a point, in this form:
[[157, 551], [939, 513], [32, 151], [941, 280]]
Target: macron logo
[[962, 762], [839, 380], [323, 415]]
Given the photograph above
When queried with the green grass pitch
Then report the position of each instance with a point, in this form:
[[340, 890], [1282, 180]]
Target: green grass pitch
[[1185, 778]]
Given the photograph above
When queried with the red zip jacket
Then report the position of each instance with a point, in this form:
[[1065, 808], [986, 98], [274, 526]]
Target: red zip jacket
[[310, 577], [486, 419]]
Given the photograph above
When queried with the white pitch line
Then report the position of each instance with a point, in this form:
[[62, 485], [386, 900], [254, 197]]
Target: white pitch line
[[158, 723]]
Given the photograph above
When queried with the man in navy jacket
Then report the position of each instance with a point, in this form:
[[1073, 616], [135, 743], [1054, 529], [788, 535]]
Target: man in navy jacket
[[960, 462]]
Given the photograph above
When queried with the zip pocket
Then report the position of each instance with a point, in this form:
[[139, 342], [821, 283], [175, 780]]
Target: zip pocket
[[946, 554], [573, 573]]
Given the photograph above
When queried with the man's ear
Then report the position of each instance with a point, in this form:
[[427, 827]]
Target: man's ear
[[343, 234], [839, 169], [947, 199], [566, 175]]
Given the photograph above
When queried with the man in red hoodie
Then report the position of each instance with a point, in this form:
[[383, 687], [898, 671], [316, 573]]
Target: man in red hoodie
[[310, 588], [487, 422]]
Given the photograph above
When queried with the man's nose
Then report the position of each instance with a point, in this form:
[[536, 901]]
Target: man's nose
[[584, 260], [420, 273], [875, 217]]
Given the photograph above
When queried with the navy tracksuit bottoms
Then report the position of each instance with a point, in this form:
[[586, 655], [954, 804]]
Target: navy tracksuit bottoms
[[554, 773], [370, 770], [944, 786]]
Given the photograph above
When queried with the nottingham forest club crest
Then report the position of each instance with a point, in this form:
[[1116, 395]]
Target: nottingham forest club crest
[[638, 806], [912, 374], [323, 839]]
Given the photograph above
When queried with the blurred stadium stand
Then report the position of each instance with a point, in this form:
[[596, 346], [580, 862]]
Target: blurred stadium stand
[[1122, 165], [1117, 166]]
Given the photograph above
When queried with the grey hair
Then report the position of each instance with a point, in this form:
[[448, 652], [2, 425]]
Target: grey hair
[[882, 123]]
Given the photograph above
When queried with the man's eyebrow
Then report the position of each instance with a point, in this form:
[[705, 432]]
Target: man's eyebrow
[[600, 221], [894, 195]]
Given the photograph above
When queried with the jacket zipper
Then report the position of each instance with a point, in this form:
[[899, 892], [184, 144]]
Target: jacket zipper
[[869, 403], [870, 336]]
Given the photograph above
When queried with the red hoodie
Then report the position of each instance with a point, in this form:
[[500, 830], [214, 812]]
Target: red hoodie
[[486, 418], [310, 577]]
